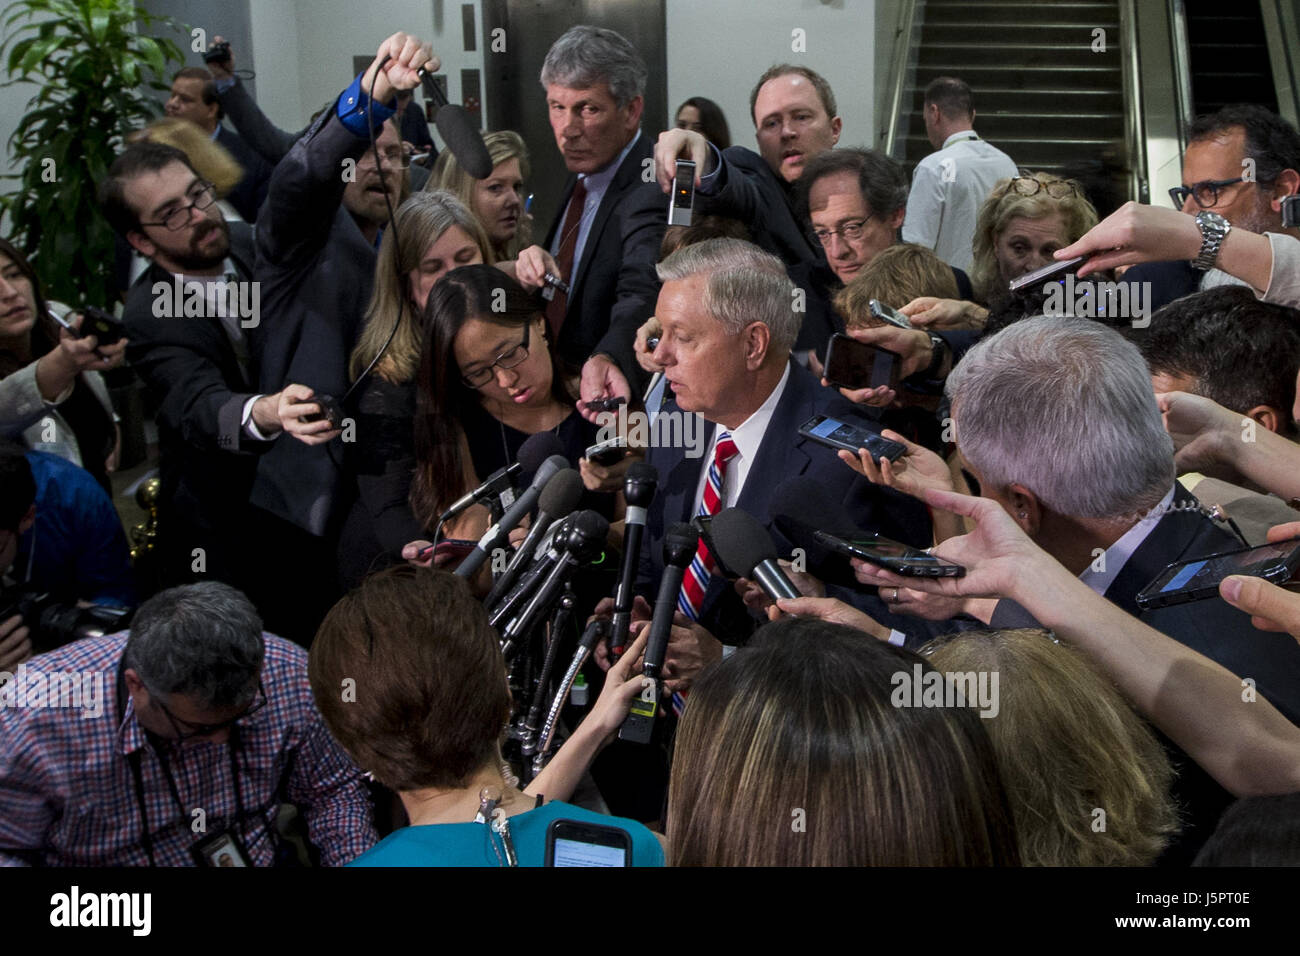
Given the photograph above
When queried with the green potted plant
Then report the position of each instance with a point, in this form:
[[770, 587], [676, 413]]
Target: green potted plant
[[94, 71]]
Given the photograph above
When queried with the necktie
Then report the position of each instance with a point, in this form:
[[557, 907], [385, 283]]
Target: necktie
[[696, 581], [559, 304]]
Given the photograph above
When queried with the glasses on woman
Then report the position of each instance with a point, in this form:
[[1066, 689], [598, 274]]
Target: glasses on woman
[[201, 195], [1057, 189], [1205, 193], [506, 360]]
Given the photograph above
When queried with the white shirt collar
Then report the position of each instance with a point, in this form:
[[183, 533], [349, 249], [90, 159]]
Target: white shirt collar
[[959, 135], [1118, 554], [748, 435]]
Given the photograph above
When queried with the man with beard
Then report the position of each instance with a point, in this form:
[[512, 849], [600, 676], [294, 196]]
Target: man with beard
[[187, 319], [1239, 165]]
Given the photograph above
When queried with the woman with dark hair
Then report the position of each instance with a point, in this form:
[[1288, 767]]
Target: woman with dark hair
[[706, 118], [51, 394], [488, 380], [801, 749]]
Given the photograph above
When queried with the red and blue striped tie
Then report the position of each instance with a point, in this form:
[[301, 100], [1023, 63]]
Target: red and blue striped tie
[[696, 581]]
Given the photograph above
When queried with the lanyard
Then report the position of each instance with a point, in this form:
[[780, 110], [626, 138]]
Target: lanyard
[[137, 773]]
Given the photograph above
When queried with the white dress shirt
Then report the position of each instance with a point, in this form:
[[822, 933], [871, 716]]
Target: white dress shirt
[[948, 188], [1114, 558], [748, 437]]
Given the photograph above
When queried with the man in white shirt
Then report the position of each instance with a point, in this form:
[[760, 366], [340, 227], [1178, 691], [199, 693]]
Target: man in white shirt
[[951, 184]]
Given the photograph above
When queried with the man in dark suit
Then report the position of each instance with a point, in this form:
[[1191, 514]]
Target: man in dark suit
[[187, 318], [728, 327], [607, 233], [194, 98]]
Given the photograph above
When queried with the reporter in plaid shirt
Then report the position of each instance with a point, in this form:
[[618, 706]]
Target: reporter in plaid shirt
[[216, 716]]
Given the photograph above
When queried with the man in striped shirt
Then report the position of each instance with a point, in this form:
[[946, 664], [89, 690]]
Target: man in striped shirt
[[172, 744]]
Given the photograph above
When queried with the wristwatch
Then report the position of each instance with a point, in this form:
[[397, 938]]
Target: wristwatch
[[1214, 229], [938, 349]]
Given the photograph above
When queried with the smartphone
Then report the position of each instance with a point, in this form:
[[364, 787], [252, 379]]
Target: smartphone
[[1046, 272], [105, 328], [891, 555], [453, 548], [607, 452], [571, 843], [888, 314], [1199, 578], [679, 210], [606, 404], [854, 364], [836, 434]]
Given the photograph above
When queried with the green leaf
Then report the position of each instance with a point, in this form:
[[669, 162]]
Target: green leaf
[[16, 54], [37, 53], [99, 21], [151, 53]]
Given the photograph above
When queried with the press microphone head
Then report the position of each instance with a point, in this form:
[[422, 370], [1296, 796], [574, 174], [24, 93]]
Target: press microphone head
[[740, 541], [680, 544], [586, 537], [561, 494], [464, 141], [547, 470], [536, 449], [640, 484]]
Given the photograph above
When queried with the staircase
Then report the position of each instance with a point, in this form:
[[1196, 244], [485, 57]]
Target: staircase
[[1042, 95]]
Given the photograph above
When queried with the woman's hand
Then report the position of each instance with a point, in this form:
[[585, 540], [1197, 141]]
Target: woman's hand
[[929, 312], [831, 610], [58, 368], [1204, 432], [916, 469], [623, 682]]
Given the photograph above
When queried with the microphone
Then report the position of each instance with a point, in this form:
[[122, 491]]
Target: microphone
[[743, 544], [584, 542], [535, 450], [800, 508], [680, 544], [512, 518], [550, 554], [639, 490], [557, 500], [458, 131]]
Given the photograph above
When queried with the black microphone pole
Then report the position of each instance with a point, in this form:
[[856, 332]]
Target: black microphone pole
[[639, 490], [513, 517], [560, 496]]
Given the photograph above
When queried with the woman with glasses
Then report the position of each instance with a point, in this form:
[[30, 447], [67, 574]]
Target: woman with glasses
[[489, 379], [51, 392], [1024, 220]]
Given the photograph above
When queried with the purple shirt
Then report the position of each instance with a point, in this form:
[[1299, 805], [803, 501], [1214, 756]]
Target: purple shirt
[[67, 790]]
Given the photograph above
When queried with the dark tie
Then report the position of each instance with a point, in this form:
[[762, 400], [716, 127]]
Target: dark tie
[[559, 303]]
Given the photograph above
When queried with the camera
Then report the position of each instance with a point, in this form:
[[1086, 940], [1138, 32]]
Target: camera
[[1291, 212], [53, 623], [217, 52]]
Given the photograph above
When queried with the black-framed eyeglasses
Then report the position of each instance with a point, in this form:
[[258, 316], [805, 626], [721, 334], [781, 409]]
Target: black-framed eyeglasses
[[201, 195], [1057, 189], [395, 157], [1206, 193], [849, 231], [506, 360], [207, 730]]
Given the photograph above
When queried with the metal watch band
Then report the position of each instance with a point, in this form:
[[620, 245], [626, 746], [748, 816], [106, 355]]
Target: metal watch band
[[1214, 229]]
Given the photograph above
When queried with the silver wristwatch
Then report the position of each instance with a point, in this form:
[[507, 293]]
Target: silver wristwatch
[[1214, 229]]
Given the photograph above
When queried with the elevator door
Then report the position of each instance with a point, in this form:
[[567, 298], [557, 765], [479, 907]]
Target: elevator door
[[514, 96]]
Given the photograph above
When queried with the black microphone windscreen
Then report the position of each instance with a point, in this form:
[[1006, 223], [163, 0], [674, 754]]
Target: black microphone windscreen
[[640, 484], [464, 141], [561, 494], [740, 540], [536, 449], [681, 541]]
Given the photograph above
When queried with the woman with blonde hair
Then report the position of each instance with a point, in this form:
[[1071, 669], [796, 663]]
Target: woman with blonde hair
[[1024, 220], [1068, 746], [497, 201]]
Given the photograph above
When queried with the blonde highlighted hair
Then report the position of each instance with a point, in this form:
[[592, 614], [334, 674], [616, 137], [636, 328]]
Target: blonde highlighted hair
[[420, 221], [209, 158], [895, 275], [502, 146]]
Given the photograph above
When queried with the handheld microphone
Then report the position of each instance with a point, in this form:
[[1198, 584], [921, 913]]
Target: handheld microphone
[[557, 500], [680, 544], [638, 490], [551, 552], [744, 545], [458, 131], [512, 518], [584, 543], [535, 450]]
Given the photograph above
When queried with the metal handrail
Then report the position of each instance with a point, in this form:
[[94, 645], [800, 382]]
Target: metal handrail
[[1134, 119], [1181, 52], [1281, 34], [901, 54]]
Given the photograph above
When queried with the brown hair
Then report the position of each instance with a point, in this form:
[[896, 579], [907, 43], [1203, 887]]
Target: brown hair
[[786, 69], [703, 227], [1068, 744], [428, 699], [895, 276], [792, 753]]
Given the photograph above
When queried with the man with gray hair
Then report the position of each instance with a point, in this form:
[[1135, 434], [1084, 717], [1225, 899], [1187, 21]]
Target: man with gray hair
[[202, 727], [728, 327], [606, 234]]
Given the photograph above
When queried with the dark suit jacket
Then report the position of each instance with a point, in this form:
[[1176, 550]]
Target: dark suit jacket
[[207, 462], [316, 269], [783, 454], [748, 190], [614, 286], [1211, 627], [1169, 280], [250, 192]]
